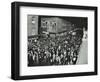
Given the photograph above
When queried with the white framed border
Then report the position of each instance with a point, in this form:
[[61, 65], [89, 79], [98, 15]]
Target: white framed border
[[25, 70]]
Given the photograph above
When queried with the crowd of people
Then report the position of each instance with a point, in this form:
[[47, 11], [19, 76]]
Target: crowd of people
[[62, 49]]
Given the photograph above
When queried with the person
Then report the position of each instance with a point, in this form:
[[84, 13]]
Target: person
[[59, 50], [74, 59], [62, 58], [30, 58]]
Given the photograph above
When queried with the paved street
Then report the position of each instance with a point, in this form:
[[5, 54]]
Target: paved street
[[83, 54]]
